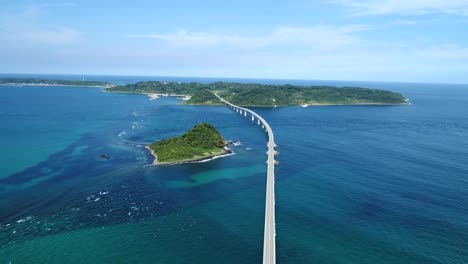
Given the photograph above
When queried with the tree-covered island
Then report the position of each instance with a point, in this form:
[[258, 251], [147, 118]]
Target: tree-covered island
[[201, 142], [250, 94], [50, 82]]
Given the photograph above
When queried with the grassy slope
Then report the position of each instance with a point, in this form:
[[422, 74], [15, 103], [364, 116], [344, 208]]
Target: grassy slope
[[312, 96], [204, 97]]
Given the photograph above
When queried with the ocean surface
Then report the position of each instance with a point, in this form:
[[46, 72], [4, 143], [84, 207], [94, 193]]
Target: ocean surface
[[355, 184]]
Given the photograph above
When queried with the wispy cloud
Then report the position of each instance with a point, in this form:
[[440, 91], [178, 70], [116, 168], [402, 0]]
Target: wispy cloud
[[57, 36], [59, 4], [405, 7], [451, 52], [316, 37], [22, 28], [303, 52]]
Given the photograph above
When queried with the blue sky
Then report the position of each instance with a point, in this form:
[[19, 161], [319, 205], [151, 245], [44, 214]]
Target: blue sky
[[370, 40]]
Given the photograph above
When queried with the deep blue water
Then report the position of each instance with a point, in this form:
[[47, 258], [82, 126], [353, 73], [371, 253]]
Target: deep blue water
[[355, 184]]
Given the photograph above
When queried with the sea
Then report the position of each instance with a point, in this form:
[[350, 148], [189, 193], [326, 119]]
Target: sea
[[354, 184]]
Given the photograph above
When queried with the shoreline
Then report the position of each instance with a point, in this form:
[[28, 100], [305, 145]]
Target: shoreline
[[184, 97], [357, 104], [309, 105], [156, 96], [54, 85], [225, 153], [150, 95]]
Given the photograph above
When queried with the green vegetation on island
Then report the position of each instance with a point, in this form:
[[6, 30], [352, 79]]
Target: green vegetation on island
[[249, 94], [204, 97], [48, 82], [201, 142]]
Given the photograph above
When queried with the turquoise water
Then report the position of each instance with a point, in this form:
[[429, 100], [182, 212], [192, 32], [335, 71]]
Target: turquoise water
[[359, 184]]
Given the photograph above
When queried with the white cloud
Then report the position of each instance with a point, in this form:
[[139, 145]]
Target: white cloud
[[316, 37], [444, 52], [59, 4], [184, 37], [60, 36], [405, 7], [22, 28], [320, 52]]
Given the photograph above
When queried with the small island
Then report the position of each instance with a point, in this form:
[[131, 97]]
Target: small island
[[263, 95], [200, 143]]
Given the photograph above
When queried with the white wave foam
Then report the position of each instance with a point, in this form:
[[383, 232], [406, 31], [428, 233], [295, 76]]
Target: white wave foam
[[153, 96], [213, 158], [24, 219]]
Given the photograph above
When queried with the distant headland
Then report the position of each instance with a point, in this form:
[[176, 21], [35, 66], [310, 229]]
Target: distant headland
[[51, 82], [250, 94], [200, 143]]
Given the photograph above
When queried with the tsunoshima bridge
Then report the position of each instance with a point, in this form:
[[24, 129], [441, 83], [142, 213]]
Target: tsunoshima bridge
[[269, 244]]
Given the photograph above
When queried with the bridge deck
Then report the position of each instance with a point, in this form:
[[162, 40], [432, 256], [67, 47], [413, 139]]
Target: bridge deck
[[269, 238]]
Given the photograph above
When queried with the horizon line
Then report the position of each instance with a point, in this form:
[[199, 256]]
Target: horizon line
[[219, 77]]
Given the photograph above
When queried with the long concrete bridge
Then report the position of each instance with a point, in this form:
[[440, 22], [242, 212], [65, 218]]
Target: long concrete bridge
[[269, 236]]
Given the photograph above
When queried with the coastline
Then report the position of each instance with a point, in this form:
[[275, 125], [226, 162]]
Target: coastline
[[311, 105], [59, 85], [154, 96], [225, 153], [357, 104], [184, 97]]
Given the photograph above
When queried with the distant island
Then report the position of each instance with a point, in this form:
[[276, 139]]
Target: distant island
[[49, 82], [249, 94], [200, 143]]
